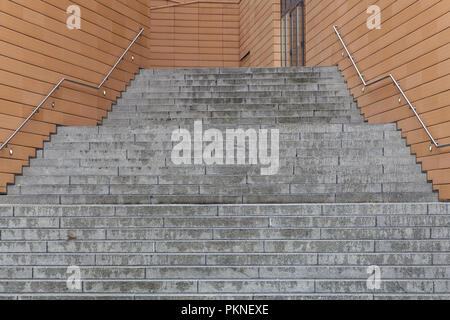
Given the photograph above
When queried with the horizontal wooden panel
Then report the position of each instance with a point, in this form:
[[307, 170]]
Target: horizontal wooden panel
[[444, 192], [68, 91], [407, 50], [38, 127], [7, 177], [12, 165], [404, 115], [194, 34], [259, 21], [18, 152]]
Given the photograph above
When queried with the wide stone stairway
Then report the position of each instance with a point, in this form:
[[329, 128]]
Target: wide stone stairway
[[345, 198]]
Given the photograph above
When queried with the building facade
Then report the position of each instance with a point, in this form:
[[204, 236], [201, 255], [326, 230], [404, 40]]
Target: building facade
[[42, 41]]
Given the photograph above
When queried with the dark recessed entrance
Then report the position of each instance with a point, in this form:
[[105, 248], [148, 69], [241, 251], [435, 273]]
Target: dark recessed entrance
[[292, 33]]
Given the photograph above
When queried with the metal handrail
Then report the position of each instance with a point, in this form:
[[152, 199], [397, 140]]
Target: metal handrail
[[366, 84], [75, 82]]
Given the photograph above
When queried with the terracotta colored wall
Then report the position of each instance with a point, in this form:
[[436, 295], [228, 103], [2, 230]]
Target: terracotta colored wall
[[37, 50], [260, 33], [215, 33], [413, 45], [194, 34]]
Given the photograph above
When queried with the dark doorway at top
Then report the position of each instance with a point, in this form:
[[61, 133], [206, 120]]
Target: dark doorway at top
[[292, 33]]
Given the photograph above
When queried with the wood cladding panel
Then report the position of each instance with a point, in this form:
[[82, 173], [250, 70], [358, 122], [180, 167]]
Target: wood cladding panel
[[194, 34], [38, 49], [259, 33], [413, 45]]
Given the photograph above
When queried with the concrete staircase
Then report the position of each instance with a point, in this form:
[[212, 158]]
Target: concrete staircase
[[327, 152], [110, 200]]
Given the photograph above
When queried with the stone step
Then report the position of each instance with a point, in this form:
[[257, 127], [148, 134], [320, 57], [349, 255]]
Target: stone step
[[224, 259], [340, 209], [184, 82], [236, 189], [208, 247], [388, 134], [162, 164], [342, 99], [223, 273], [322, 129], [103, 146], [145, 86], [297, 166], [230, 174], [261, 287], [159, 72], [123, 106], [233, 115], [155, 84], [173, 120], [103, 137], [298, 184], [167, 221], [164, 142], [63, 171], [148, 150], [306, 272], [306, 132], [303, 95], [240, 76], [225, 199]]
